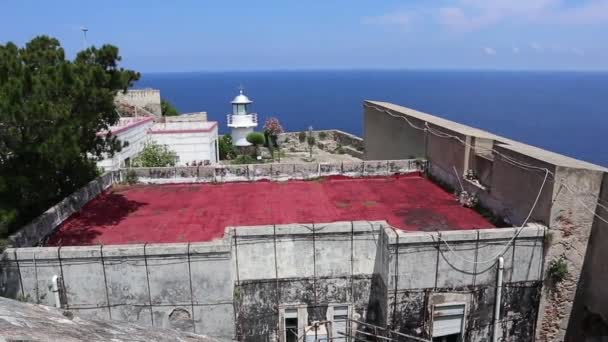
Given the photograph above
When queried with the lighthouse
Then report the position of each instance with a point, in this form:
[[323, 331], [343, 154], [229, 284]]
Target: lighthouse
[[241, 122]]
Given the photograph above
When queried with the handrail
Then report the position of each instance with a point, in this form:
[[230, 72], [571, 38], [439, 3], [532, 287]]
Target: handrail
[[419, 339]]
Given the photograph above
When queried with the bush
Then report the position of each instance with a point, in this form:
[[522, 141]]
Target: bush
[[225, 147], [302, 136], [244, 159], [322, 135], [311, 141], [131, 177], [155, 155], [256, 138], [167, 109], [558, 269]]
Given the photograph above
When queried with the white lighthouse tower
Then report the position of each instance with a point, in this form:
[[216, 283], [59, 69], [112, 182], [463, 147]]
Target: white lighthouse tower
[[241, 121]]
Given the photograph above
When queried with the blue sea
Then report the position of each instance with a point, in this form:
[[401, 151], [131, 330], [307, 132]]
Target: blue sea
[[565, 112]]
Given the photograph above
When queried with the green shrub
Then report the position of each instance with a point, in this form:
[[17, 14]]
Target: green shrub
[[256, 138], [155, 155], [558, 269], [226, 148], [311, 141], [131, 177], [302, 136], [244, 159], [322, 135]]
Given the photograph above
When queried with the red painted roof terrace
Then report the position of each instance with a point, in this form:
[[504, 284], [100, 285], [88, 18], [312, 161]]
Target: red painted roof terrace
[[200, 212]]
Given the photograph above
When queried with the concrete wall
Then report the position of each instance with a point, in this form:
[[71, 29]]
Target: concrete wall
[[135, 138], [238, 286], [34, 232], [190, 147], [511, 176], [181, 286], [282, 171], [589, 319], [424, 271], [313, 266]]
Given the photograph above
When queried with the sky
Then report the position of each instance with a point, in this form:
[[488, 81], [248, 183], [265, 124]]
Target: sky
[[199, 35]]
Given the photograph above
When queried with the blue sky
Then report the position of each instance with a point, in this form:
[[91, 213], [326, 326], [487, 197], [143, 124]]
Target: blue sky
[[161, 36]]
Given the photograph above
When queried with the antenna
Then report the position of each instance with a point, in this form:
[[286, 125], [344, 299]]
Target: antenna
[[84, 35], [241, 88]]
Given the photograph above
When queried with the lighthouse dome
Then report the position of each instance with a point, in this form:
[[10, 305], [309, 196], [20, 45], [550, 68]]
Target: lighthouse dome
[[241, 99]]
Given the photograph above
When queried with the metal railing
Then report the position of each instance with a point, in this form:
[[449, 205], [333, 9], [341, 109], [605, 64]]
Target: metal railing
[[242, 119]]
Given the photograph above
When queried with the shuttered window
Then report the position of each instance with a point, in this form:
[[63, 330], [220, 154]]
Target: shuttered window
[[448, 319]]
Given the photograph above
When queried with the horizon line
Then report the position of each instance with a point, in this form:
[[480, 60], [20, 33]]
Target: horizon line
[[574, 70]]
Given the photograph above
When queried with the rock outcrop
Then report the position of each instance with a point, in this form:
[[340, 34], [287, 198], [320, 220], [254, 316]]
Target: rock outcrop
[[30, 322]]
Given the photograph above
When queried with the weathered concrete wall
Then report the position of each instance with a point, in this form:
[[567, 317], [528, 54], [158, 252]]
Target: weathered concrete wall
[[33, 233], [238, 286], [282, 171], [510, 179], [424, 271], [589, 319], [180, 286], [310, 265]]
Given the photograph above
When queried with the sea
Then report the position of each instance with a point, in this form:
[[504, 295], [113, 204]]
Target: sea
[[565, 112]]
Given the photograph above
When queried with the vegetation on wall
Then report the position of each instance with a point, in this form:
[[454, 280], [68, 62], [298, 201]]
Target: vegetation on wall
[[244, 159], [155, 155], [558, 270], [167, 109], [50, 111]]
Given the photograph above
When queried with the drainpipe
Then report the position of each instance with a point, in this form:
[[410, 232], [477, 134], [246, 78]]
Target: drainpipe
[[501, 266], [55, 290]]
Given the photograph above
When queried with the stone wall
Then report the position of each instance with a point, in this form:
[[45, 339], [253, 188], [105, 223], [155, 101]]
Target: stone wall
[[148, 99], [34, 232], [332, 141], [239, 286], [513, 178]]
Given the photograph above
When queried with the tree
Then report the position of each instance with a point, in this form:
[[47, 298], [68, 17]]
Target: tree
[[311, 143], [225, 147], [50, 111], [256, 139], [167, 108], [155, 155]]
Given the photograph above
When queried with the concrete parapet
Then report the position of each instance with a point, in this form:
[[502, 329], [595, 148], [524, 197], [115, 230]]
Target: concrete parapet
[[33, 233], [281, 171]]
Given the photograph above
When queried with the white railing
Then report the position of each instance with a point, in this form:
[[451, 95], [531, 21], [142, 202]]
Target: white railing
[[242, 120]]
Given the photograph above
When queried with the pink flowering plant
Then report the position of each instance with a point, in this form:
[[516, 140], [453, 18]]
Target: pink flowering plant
[[272, 126]]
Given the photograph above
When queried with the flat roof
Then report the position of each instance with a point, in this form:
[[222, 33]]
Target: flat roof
[[200, 212]]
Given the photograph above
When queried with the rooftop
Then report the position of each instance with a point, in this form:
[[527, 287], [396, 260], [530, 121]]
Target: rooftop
[[200, 212], [125, 124]]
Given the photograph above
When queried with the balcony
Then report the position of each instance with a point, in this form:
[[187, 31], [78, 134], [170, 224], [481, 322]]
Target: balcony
[[242, 120]]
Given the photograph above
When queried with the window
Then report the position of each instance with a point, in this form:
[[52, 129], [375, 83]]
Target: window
[[448, 320], [291, 325], [340, 324]]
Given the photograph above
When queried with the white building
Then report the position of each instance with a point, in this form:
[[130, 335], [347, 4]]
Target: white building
[[241, 121], [133, 131], [195, 142]]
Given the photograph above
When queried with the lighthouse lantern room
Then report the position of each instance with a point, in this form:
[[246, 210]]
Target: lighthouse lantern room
[[241, 122]]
